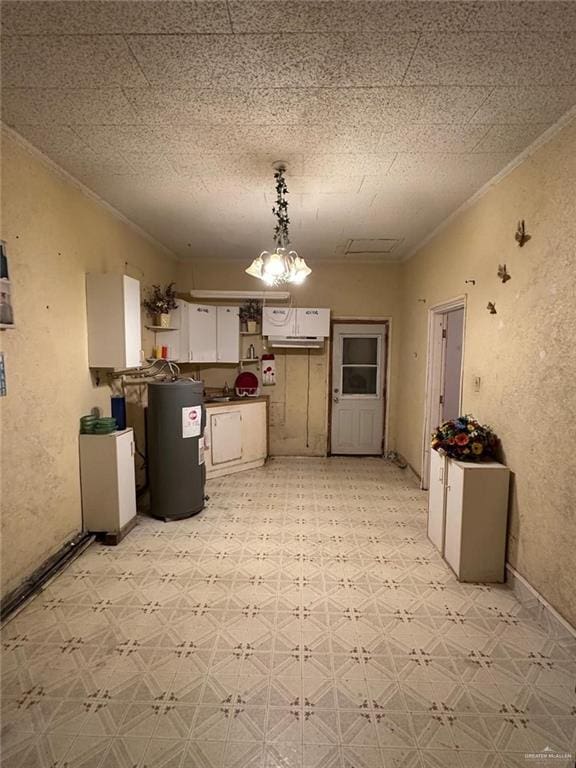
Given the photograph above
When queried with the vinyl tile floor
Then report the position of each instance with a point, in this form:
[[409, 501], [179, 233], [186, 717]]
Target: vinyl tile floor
[[303, 620]]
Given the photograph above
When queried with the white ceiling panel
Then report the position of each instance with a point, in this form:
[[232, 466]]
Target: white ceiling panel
[[490, 58], [420, 15], [62, 61], [102, 17], [388, 113], [525, 104], [509, 138], [88, 106]]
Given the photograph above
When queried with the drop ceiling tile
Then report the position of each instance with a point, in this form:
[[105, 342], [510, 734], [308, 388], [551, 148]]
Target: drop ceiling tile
[[178, 60], [37, 106], [509, 138], [528, 104], [431, 138], [335, 165], [375, 59], [491, 58], [61, 61], [277, 140], [114, 16], [122, 138], [286, 106], [399, 104], [419, 15], [278, 61]]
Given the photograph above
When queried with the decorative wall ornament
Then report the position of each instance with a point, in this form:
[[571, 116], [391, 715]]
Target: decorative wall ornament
[[281, 266], [491, 307], [503, 273], [522, 236], [470, 282]]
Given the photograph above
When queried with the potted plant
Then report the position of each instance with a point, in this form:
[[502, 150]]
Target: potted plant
[[250, 314], [159, 303]]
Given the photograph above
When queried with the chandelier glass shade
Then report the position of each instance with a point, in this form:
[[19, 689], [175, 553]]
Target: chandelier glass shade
[[281, 266]]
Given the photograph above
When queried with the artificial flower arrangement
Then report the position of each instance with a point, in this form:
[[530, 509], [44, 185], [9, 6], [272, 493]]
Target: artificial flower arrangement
[[465, 439]]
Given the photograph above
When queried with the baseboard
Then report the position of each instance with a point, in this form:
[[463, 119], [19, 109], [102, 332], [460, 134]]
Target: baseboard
[[539, 608], [18, 597]]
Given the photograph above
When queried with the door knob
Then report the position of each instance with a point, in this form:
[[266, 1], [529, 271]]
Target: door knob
[[336, 399]]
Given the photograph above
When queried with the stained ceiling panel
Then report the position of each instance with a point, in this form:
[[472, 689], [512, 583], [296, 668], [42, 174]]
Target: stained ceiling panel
[[389, 114]]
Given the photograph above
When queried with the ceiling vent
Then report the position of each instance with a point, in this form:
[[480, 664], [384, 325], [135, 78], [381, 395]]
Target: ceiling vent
[[378, 246]]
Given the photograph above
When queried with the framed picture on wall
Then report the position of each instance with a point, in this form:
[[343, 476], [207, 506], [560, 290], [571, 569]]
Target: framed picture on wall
[[6, 312]]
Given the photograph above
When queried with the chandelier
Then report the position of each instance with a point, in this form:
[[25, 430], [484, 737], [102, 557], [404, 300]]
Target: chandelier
[[282, 265]]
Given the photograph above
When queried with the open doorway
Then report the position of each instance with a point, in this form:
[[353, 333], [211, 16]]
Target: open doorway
[[357, 397], [444, 371]]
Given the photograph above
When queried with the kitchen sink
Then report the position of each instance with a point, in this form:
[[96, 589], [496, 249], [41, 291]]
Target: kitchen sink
[[221, 399]]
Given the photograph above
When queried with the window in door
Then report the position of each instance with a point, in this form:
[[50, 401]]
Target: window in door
[[360, 365]]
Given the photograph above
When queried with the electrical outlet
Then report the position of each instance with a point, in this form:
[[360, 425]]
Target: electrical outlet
[[477, 383]]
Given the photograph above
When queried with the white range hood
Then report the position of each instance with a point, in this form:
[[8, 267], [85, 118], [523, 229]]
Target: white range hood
[[296, 342]]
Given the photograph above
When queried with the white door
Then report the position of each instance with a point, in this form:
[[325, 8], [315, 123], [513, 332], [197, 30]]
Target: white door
[[228, 334], [453, 330], [358, 382], [202, 327]]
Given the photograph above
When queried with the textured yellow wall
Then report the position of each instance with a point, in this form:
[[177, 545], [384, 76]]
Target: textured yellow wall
[[365, 290], [54, 234], [523, 354]]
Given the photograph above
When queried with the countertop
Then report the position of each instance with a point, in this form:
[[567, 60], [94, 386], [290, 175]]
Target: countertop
[[238, 401]]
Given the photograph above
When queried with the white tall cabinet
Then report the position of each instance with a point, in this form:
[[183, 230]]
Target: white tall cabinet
[[113, 319], [468, 515], [108, 482]]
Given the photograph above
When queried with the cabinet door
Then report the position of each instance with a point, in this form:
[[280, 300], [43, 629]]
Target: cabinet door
[[454, 513], [202, 327], [228, 334], [312, 322], [436, 500], [132, 325], [126, 478], [226, 433], [279, 321], [180, 339]]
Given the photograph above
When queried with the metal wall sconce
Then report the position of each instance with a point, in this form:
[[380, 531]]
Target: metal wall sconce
[[491, 307], [503, 273], [521, 235]]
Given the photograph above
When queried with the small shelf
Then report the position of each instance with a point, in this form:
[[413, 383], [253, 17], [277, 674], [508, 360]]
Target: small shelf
[[250, 360], [161, 359], [160, 328], [6, 326], [250, 333]]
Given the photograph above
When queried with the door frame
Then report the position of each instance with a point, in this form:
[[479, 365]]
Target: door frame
[[434, 374], [386, 321]]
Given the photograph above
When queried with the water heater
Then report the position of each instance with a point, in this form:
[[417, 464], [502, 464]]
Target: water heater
[[175, 428]]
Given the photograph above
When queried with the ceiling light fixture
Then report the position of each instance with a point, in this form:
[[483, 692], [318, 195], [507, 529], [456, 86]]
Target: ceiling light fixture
[[282, 266]]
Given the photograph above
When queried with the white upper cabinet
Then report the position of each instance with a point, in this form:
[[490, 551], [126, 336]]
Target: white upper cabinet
[[227, 334], [113, 314], [312, 322], [278, 321], [202, 329], [206, 334], [298, 322]]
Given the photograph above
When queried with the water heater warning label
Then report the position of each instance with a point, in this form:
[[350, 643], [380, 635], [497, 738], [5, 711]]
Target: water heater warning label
[[191, 421]]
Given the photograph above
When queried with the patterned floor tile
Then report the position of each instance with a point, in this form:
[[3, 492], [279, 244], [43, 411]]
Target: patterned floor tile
[[302, 621]]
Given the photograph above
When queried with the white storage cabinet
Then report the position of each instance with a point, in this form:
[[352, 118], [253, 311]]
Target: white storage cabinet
[[468, 516], [113, 318], [295, 321], [108, 482], [206, 334], [236, 437]]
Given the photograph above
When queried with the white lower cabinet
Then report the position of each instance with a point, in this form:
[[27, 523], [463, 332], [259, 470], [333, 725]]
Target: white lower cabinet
[[468, 515], [236, 437], [108, 483]]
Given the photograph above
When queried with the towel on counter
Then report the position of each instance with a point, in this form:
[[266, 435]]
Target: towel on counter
[[268, 370]]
